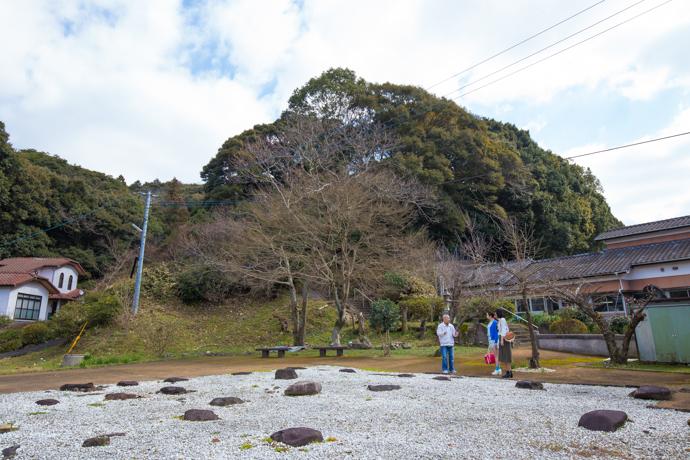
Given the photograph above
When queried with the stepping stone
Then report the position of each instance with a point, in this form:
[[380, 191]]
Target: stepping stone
[[97, 441], [286, 374], [348, 371], [175, 379], [172, 391], [120, 396], [199, 415], [383, 387], [240, 373], [406, 375], [10, 452], [127, 383], [296, 368], [443, 378], [297, 437], [529, 385], [652, 392], [603, 420], [7, 427], [226, 401], [47, 402], [305, 388], [83, 387]]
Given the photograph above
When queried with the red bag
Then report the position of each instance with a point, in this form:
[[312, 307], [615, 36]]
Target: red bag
[[490, 358]]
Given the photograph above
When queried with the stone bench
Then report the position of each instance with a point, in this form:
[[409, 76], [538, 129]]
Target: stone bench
[[265, 351], [339, 350]]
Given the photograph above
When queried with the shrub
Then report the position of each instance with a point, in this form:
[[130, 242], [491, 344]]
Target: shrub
[[101, 308], [10, 340], [68, 321], [619, 324], [35, 333], [568, 326], [421, 308], [544, 320], [574, 313], [385, 315], [200, 284], [4, 321], [158, 281]]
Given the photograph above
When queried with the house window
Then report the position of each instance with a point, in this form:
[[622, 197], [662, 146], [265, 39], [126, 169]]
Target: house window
[[551, 305], [62, 281], [678, 293], [28, 306], [609, 303], [69, 283], [519, 306], [537, 304]]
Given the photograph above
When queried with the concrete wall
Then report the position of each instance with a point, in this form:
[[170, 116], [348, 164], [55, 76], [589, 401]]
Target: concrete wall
[[31, 288], [5, 300], [585, 344]]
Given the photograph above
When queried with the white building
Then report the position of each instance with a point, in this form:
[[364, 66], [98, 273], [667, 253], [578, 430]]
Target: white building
[[34, 288]]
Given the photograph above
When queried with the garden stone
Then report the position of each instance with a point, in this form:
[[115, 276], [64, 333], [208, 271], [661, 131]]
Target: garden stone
[[383, 387], [297, 437], [652, 392], [305, 388], [442, 378], [603, 420], [47, 402], [84, 387], [227, 401], [296, 368], [172, 391], [7, 427], [120, 396], [348, 371], [529, 385], [241, 373], [10, 452], [175, 379], [97, 441], [286, 374], [199, 415], [127, 383], [405, 375]]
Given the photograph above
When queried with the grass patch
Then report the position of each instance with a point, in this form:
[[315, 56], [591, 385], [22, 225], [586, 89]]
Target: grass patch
[[644, 367], [280, 449], [38, 413], [92, 361], [246, 446], [96, 404]]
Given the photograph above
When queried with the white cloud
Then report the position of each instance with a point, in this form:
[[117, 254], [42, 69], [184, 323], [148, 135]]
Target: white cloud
[[120, 86]]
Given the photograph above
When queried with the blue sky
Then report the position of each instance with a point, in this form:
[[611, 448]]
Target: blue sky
[[152, 89]]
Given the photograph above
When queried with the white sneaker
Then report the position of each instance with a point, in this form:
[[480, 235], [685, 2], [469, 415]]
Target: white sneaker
[[453, 372], [445, 372], [496, 372]]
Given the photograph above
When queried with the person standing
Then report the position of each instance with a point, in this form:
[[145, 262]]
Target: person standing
[[446, 337], [505, 346], [492, 336]]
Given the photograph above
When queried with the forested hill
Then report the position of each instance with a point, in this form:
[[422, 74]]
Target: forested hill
[[479, 167], [88, 213]]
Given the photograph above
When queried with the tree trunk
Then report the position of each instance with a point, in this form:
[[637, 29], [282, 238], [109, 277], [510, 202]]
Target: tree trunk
[[534, 360], [422, 329], [294, 314], [339, 321], [609, 337], [302, 331], [361, 330], [637, 317], [403, 318]]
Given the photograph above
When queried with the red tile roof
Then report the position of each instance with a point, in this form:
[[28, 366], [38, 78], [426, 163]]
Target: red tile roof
[[17, 279], [31, 264]]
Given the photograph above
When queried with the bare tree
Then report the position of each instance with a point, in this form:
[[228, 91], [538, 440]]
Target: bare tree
[[586, 300]]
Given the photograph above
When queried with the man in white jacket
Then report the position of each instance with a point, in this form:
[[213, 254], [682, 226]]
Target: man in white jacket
[[446, 337]]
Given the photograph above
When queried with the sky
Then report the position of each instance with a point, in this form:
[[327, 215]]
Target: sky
[[151, 89]]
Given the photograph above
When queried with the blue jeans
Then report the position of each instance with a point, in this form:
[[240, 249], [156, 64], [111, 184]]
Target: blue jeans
[[447, 358]]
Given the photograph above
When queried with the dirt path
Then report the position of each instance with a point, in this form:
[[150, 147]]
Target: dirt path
[[467, 366]]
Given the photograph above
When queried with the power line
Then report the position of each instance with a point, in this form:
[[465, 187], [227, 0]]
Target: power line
[[544, 49], [562, 51], [628, 145], [515, 45]]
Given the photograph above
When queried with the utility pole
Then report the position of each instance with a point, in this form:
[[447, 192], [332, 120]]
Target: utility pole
[[140, 261]]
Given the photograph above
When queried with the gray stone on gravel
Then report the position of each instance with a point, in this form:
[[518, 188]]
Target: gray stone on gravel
[[127, 383], [405, 375], [383, 387], [225, 401], [10, 452], [97, 441], [603, 420], [175, 379], [305, 388], [442, 378], [199, 415], [172, 391], [529, 385], [120, 396], [297, 368], [285, 374], [298, 436], [348, 371], [652, 392], [240, 373], [47, 402], [84, 387]]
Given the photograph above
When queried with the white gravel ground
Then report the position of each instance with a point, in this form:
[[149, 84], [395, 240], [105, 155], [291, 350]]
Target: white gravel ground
[[463, 418]]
